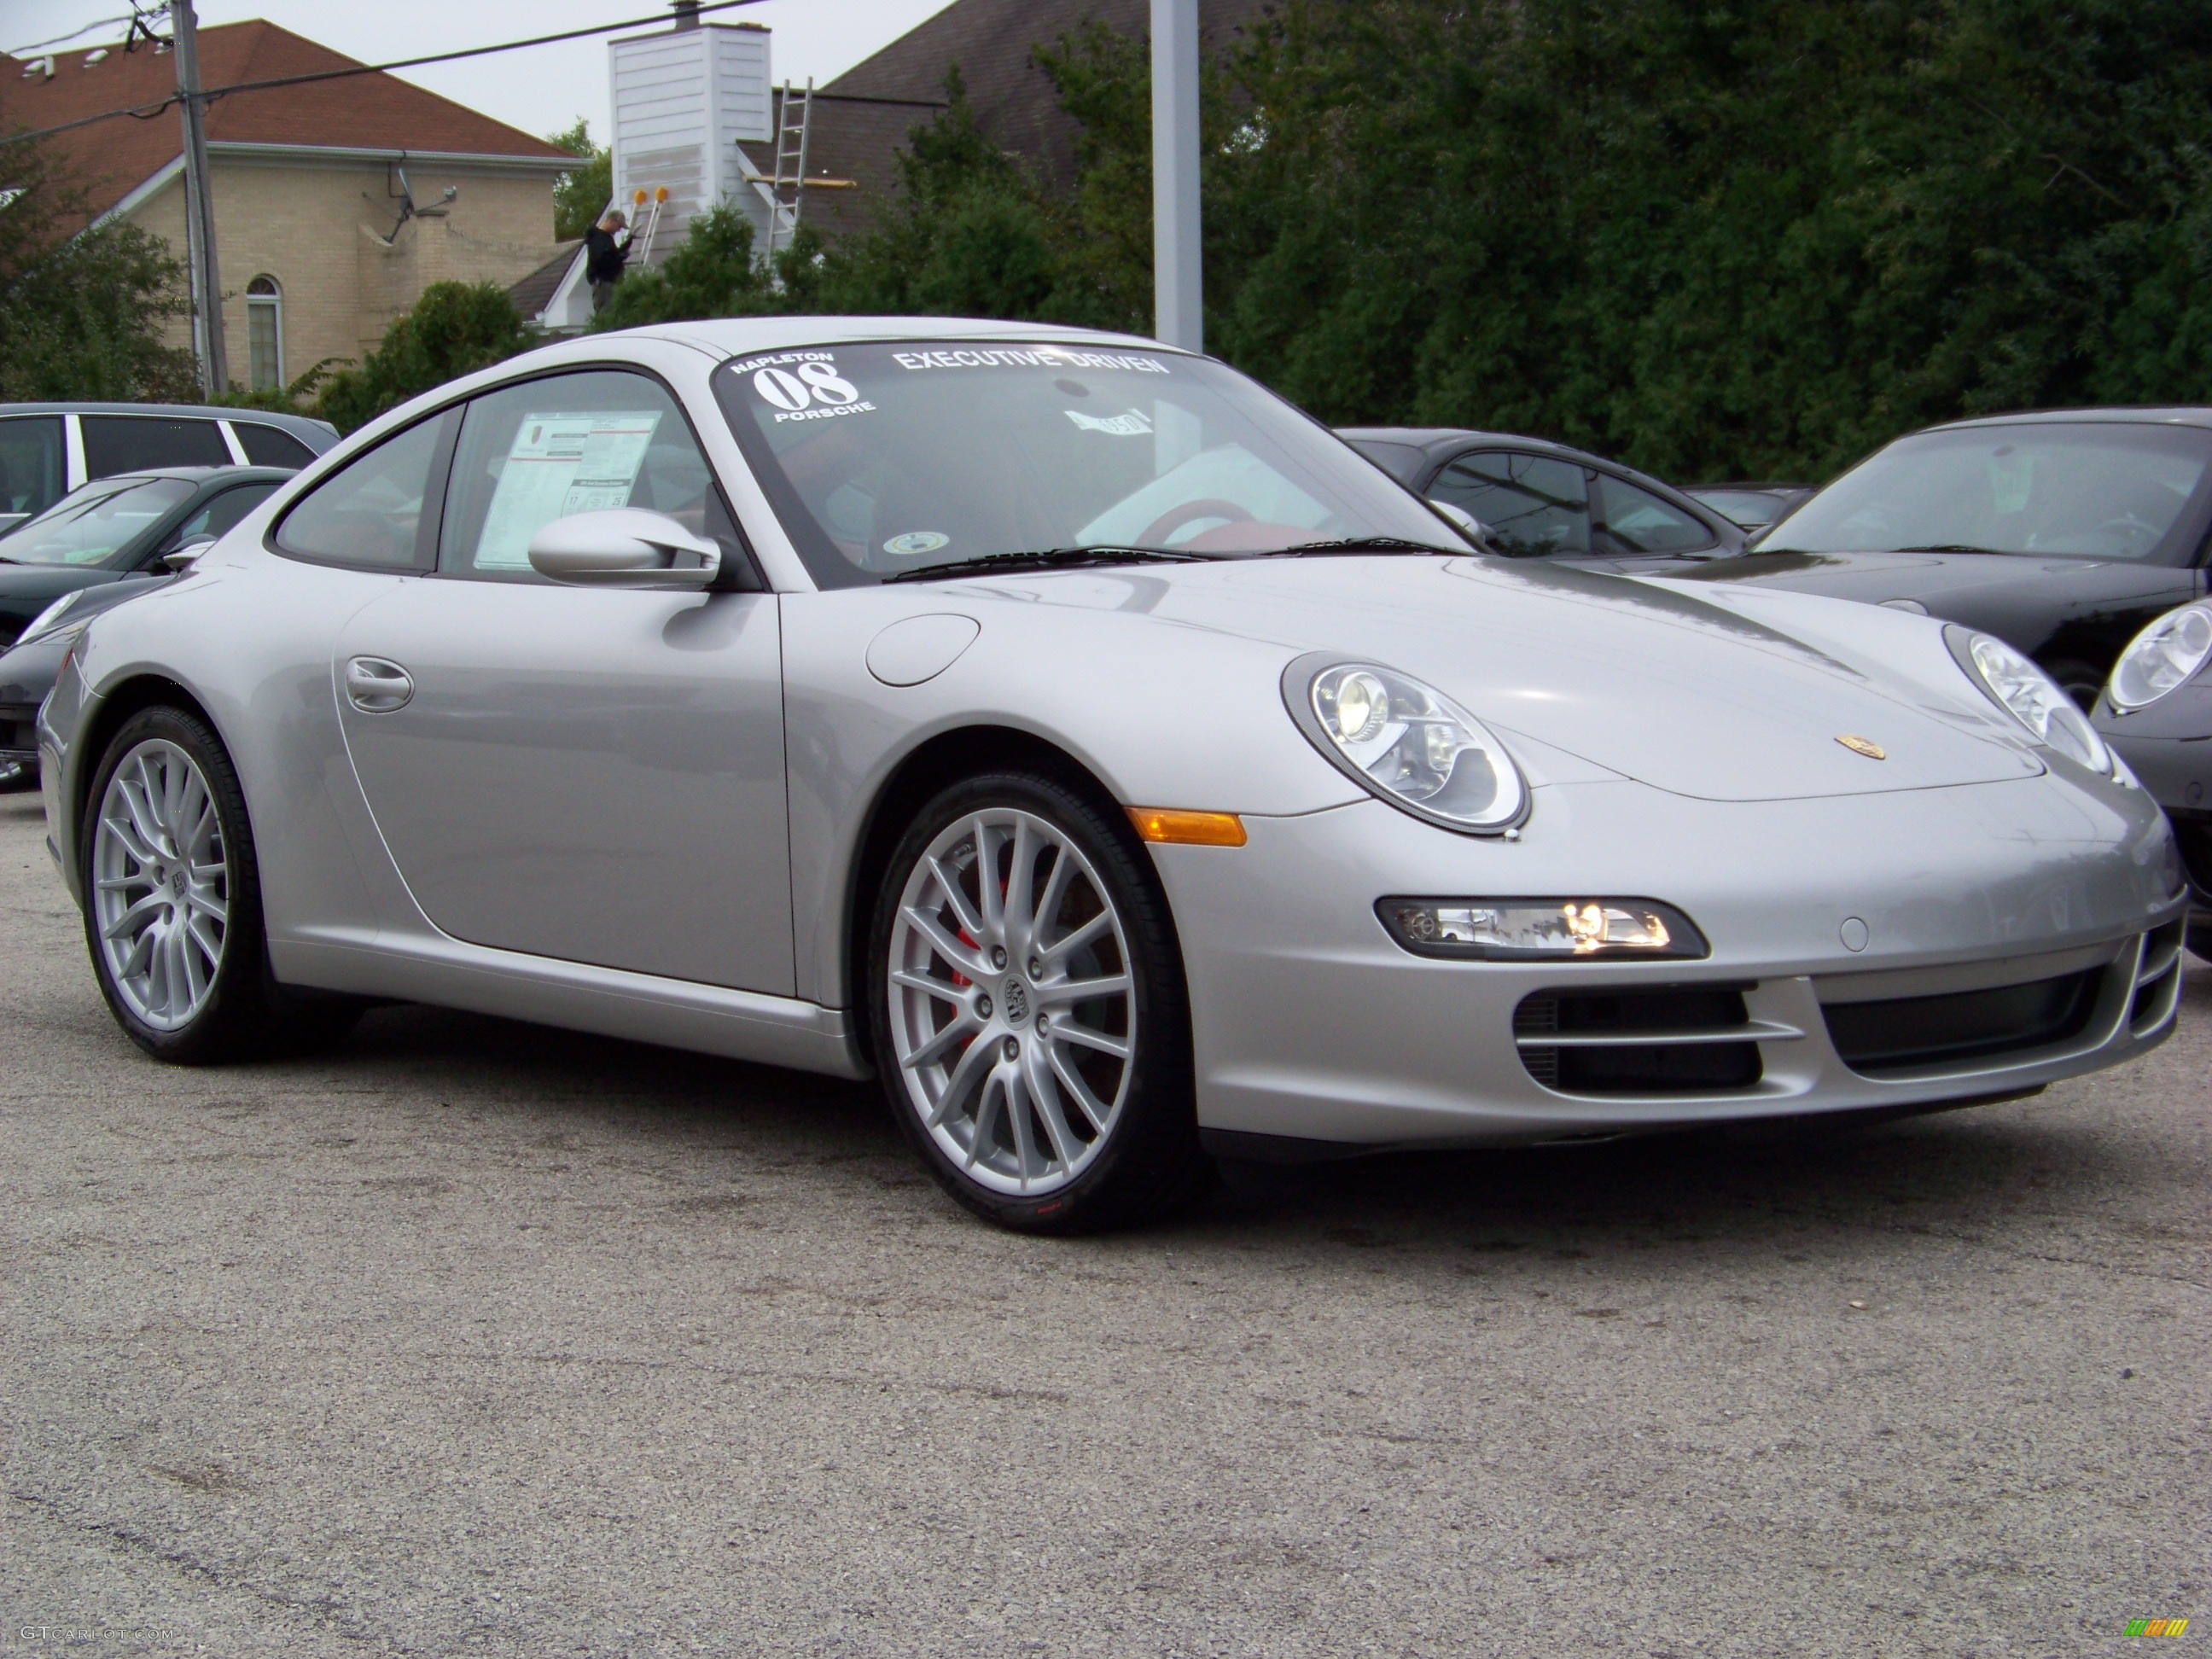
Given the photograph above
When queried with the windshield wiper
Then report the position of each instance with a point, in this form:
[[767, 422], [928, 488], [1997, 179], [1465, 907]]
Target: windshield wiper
[[1360, 545], [1050, 558], [1953, 547]]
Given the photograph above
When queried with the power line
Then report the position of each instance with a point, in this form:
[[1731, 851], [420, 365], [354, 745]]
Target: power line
[[143, 110], [62, 40]]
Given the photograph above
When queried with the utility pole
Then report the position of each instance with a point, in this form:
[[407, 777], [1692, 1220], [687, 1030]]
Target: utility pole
[[1178, 301], [199, 203]]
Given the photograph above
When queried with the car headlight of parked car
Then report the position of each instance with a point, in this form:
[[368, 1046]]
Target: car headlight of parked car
[[2034, 699], [2162, 656], [1407, 743], [52, 619]]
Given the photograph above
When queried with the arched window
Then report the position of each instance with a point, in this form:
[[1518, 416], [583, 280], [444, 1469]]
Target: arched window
[[265, 334]]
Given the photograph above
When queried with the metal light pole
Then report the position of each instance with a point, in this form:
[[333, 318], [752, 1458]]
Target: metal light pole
[[1178, 301], [199, 204]]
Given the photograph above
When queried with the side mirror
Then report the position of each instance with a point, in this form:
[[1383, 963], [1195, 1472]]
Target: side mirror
[[624, 547], [177, 558]]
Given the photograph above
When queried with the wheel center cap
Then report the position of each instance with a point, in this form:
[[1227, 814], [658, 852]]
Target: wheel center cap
[[177, 880], [1014, 999]]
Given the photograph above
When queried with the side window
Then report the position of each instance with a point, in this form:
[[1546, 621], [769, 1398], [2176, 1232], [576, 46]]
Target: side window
[[1530, 504], [368, 513], [531, 453], [32, 463], [125, 443], [219, 515], [1639, 522], [267, 446]]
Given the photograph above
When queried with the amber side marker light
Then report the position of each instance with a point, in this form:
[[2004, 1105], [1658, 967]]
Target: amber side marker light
[[1162, 823]]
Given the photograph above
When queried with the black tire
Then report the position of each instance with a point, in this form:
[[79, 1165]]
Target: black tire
[[246, 1013], [1148, 1161]]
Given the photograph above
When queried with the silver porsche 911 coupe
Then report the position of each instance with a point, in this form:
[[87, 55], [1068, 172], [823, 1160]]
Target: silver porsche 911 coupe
[[1071, 734]]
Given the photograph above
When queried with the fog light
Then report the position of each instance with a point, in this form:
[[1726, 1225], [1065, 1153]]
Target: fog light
[[1506, 930]]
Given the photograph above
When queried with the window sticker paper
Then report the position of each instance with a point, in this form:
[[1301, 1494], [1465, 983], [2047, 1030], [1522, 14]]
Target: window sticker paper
[[916, 542], [1131, 425], [559, 465]]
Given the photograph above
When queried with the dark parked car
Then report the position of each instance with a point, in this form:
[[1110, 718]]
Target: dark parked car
[[29, 668], [47, 450], [1542, 499], [1753, 506], [2063, 532], [2157, 712], [107, 532]]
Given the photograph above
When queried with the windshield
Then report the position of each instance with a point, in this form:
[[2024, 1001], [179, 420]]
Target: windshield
[[2096, 489], [883, 459], [91, 525]]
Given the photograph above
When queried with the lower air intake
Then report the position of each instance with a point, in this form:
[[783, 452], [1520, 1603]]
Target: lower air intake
[[1685, 1047], [1907, 1032]]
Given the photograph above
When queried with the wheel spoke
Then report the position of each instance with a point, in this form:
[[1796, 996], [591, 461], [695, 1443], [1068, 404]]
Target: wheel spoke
[[1056, 1122], [1067, 1030], [1101, 923], [963, 911], [207, 904], [142, 910], [987, 1115], [974, 1063], [928, 986], [1081, 990], [1019, 922], [986, 886], [968, 959], [1018, 1114], [209, 943], [942, 1041], [1055, 889], [139, 959], [126, 835], [1073, 1085]]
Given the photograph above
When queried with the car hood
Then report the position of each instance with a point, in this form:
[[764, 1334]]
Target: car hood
[[1647, 683], [1871, 577], [28, 589]]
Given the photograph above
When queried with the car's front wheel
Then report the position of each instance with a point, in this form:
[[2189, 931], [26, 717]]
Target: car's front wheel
[[173, 902], [1029, 1009]]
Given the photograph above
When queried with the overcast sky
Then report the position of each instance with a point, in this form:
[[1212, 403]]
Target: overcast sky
[[540, 90]]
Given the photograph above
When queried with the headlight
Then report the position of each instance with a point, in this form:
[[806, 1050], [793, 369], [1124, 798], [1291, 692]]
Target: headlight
[[2162, 656], [1508, 930], [44, 620], [1406, 742], [2030, 696]]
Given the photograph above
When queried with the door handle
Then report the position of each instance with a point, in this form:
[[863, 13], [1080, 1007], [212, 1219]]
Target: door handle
[[377, 687]]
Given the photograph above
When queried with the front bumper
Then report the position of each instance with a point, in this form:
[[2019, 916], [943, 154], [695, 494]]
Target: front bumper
[[1309, 1022]]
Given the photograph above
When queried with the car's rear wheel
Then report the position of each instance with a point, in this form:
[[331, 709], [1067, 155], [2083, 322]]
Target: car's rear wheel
[[1029, 1010], [172, 902]]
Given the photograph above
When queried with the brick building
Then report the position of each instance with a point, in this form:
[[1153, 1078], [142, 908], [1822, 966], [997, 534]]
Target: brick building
[[336, 202]]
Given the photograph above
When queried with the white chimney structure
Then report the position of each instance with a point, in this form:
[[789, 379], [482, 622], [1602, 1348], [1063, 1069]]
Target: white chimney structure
[[682, 100]]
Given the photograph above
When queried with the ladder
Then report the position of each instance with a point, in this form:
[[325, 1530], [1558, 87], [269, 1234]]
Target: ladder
[[642, 240], [794, 117]]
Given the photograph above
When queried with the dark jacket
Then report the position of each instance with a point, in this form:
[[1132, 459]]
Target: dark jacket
[[604, 256]]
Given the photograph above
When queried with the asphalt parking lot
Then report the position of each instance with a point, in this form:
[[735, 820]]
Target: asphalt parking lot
[[477, 1338]]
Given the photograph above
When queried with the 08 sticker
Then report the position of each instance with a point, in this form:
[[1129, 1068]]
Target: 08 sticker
[[810, 391]]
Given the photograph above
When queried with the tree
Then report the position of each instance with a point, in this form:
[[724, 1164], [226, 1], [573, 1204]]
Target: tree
[[84, 316], [580, 196], [710, 273], [454, 328]]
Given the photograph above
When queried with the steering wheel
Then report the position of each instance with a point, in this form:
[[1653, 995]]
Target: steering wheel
[[2127, 527], [1156, 533]]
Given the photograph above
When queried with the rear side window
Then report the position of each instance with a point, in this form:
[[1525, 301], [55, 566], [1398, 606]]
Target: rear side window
[[221, 515], [368, 513], [33, 465], [1530, 504], [131, 443], [1641, 523], [265, 445]]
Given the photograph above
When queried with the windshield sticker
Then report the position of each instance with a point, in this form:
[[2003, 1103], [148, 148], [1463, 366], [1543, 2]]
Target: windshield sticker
[[1131, 425], [814, 391], [1058, 358], [559, 465], [916, 542]]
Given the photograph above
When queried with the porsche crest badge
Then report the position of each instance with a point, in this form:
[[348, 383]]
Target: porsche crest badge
[[1866, 746]]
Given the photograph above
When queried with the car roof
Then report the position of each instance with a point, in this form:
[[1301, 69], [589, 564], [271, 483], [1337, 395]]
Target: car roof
[[1434, 441], [203, 474], [729, 336], [303, 425], [2146, 415]]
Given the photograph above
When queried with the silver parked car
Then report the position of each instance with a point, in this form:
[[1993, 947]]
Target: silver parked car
[[1095, 749]]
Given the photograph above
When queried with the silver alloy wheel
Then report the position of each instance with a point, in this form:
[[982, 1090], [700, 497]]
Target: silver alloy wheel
[[160, 885], [1012, 1010]]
